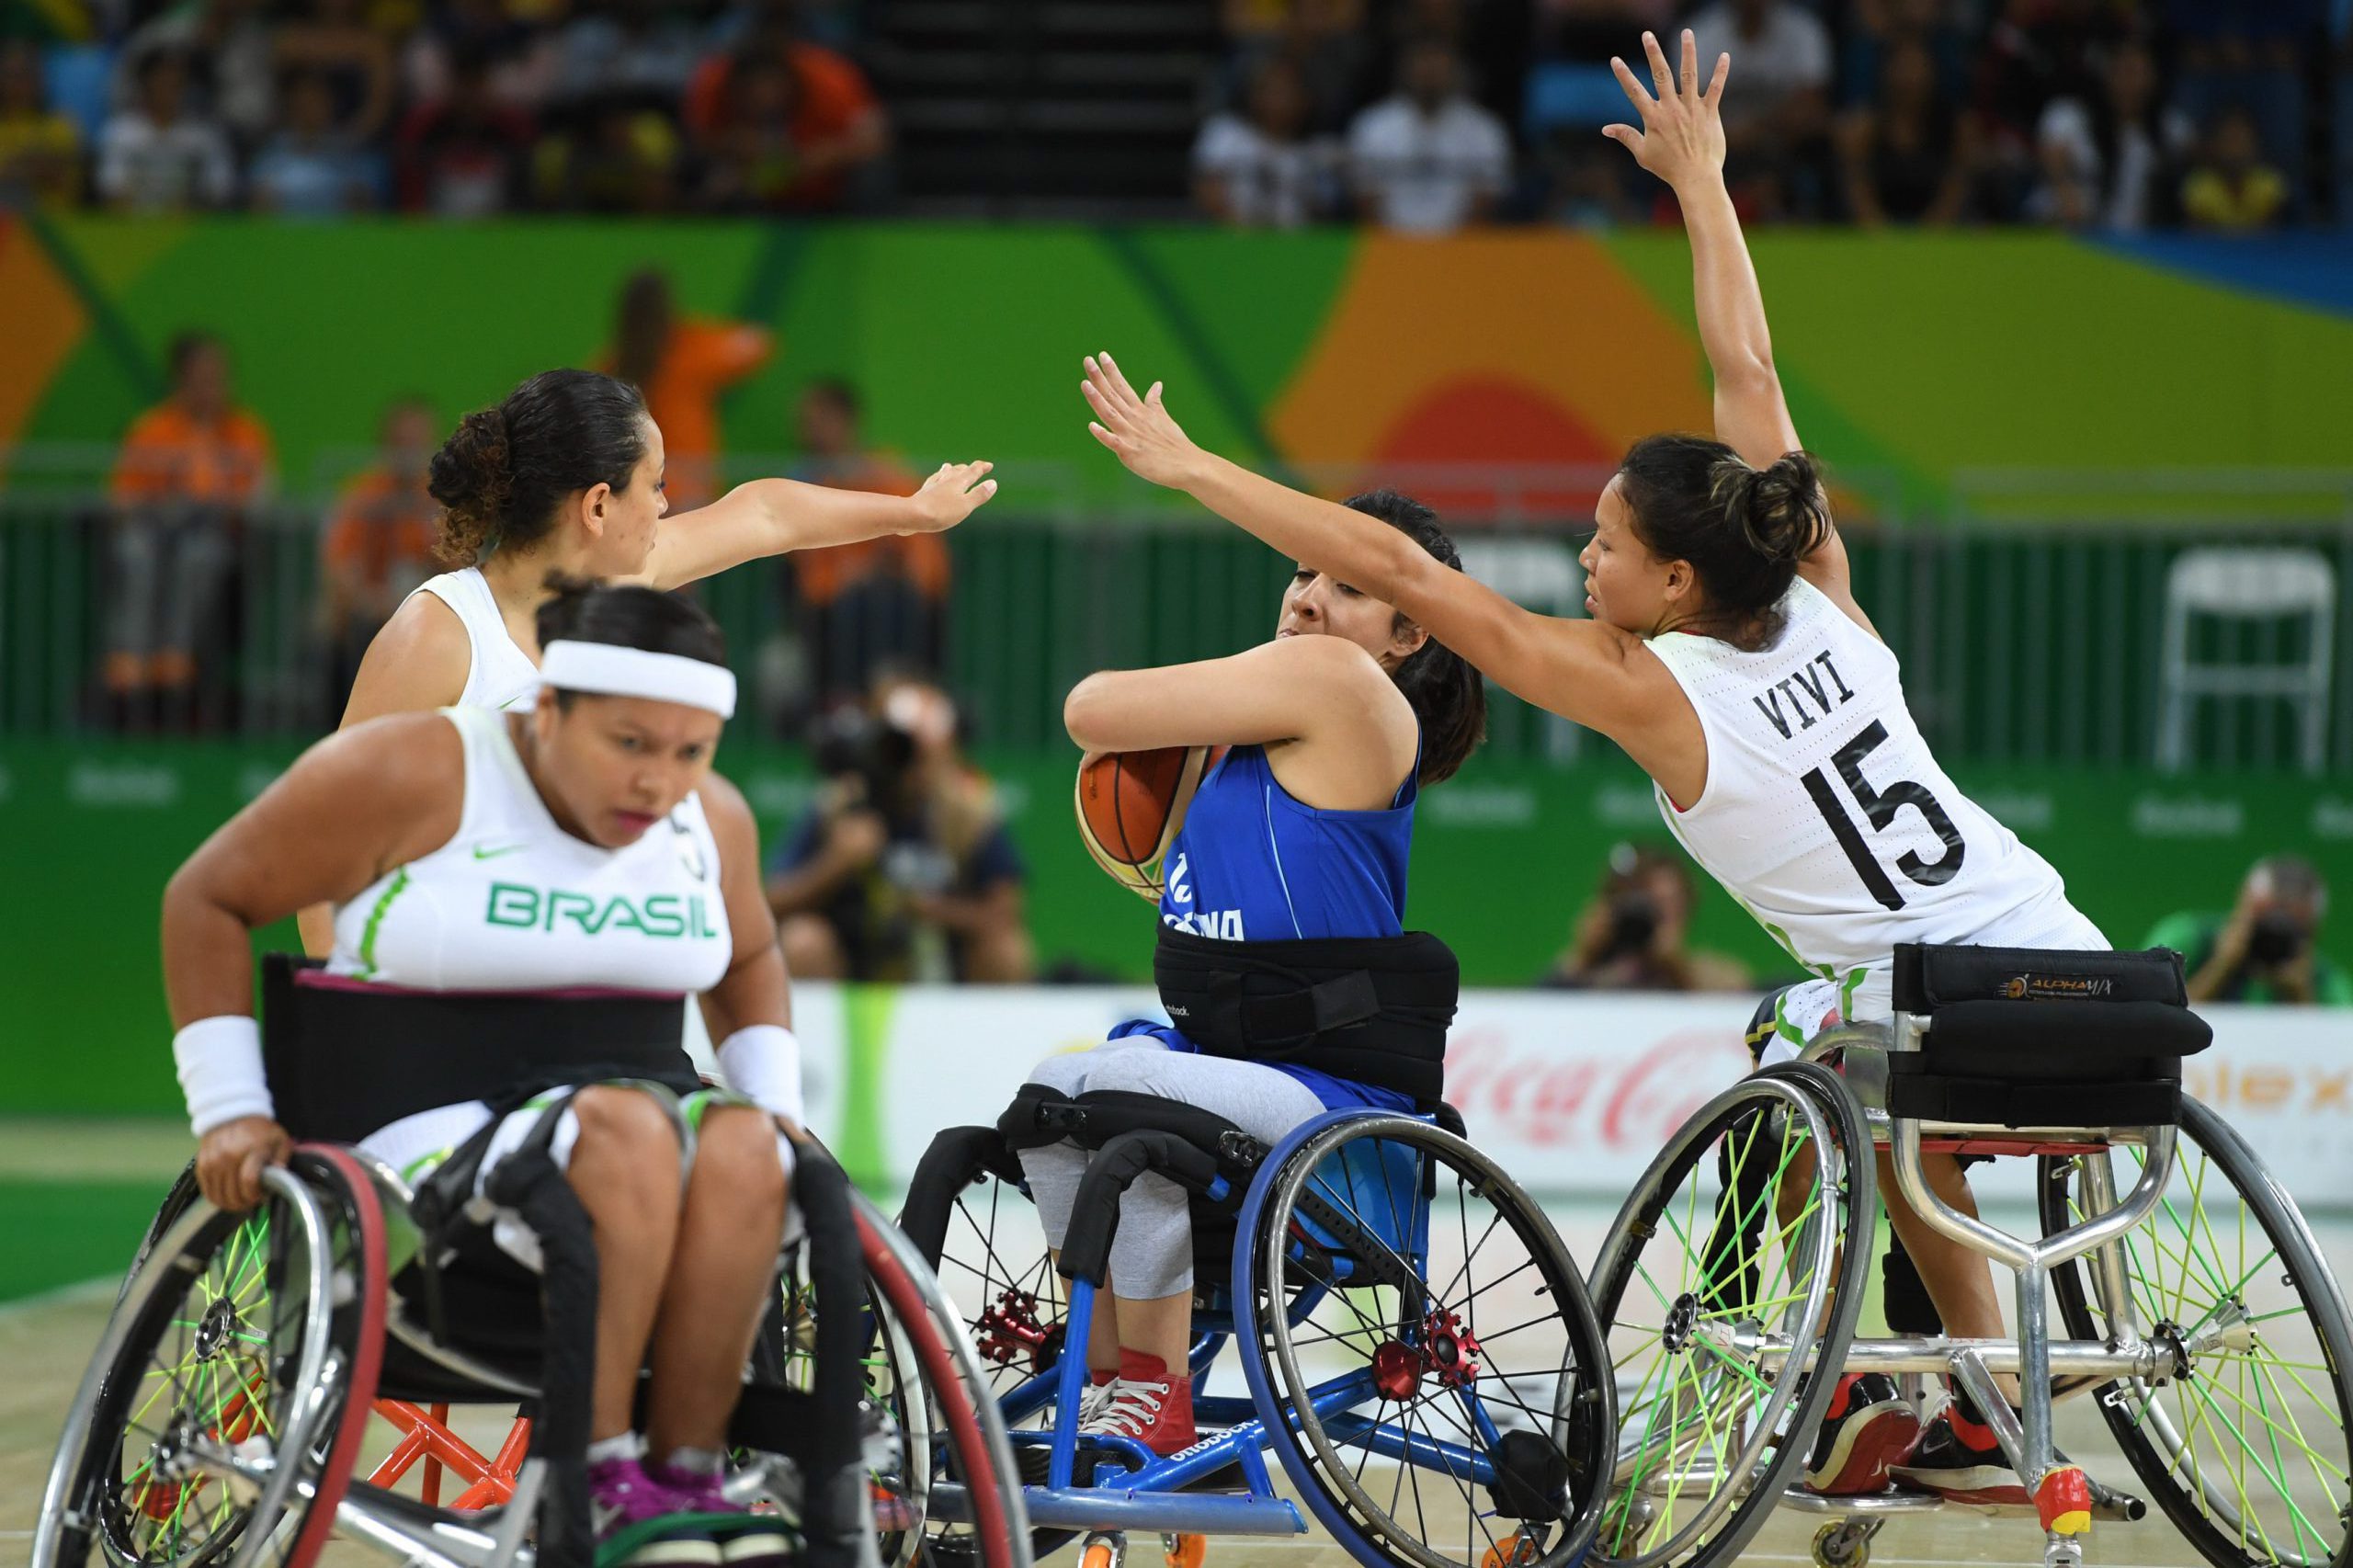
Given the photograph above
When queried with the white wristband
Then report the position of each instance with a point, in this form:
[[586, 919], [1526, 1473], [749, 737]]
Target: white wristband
[[221, 1071], [763, 1063]]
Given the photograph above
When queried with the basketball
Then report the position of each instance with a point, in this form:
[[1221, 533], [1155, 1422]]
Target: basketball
[[1131, 805]]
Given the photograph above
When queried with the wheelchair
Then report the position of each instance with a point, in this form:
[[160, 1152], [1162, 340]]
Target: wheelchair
[[2194, 1308], [1414, 1343], [269, 1379]]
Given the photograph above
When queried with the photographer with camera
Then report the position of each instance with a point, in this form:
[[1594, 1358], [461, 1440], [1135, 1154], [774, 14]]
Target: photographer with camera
[[903, 871], [1630, 937], [2265, 950]]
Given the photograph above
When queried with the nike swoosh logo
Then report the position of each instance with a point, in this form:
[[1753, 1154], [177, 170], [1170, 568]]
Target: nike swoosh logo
[[482, 854]]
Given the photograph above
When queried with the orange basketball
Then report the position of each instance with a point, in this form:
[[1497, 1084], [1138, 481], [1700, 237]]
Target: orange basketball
[[1131, 805]]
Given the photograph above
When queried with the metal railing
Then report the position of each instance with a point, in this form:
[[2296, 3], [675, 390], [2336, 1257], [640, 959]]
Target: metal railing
[[2022, 641]]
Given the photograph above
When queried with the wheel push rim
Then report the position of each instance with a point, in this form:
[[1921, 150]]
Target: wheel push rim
[[1455, 1358], [1703, 1426]]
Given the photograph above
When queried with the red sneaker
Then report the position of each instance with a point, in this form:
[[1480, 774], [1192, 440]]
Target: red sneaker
[[1147, 1406], [1869, 1426], [1958, 1459]]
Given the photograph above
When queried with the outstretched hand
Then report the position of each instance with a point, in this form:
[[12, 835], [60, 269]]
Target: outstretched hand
[[1138, 428], [953, 493], [1682, 134]]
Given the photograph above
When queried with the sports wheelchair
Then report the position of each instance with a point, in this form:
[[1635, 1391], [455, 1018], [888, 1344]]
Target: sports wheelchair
[[2196, 1311], [225, 1418], [1415, 1345]]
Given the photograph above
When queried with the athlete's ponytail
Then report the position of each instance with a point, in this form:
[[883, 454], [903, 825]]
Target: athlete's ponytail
[[1743, 530], [500, 476], [1449, 698]]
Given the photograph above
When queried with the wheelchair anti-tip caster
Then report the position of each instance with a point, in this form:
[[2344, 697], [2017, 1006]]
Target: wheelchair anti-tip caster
[[1185, 1551], [1104, 1549], [1514, 1551], [1846, 1544]]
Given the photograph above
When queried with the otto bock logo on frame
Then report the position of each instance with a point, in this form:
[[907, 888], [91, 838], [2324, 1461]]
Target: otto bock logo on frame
[[665, 917]]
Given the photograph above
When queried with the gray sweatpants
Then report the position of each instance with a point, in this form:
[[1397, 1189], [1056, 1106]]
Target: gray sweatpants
[[1152, 1251]]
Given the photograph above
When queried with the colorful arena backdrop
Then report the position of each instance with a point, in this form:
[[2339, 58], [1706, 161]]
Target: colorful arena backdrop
[[1505, 858], [1927, 369]]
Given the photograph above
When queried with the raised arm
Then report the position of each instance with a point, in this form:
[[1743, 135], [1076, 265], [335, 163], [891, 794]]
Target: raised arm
[[1591, 674], [770, 517], [1682, 141]]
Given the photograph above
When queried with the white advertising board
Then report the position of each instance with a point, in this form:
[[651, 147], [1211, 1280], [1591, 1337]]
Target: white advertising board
[[1573, 1093]]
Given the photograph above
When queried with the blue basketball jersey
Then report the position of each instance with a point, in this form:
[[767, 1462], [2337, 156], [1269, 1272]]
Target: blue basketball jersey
[[1252, 863]]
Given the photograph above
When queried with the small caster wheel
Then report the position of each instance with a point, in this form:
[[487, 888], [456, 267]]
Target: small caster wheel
[[1186, 1550], [1844, 1545], [1514, 1551], [1104, 1549]]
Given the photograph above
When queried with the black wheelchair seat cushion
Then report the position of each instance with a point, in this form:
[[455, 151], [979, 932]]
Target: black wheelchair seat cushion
[[2024, 1037]]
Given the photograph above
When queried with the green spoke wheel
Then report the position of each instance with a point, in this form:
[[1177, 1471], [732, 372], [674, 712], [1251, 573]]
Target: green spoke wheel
[[1730, 1246], [2242, 1439]]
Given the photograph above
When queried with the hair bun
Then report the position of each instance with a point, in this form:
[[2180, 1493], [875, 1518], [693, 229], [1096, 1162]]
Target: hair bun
[[1780, 508], [472, 476]]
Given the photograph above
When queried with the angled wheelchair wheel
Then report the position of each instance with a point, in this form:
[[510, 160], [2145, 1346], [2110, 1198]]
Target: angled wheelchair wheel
[[2241, 1437], [955, 1497], [221, 1415], [1414, 1311], [1725, 1257], [993, 1265]]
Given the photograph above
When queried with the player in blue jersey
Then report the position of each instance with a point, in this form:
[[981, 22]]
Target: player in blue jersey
[[1295, 846]]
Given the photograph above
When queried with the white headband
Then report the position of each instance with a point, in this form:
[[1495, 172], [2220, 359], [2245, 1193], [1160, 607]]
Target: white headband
[[606, 669]]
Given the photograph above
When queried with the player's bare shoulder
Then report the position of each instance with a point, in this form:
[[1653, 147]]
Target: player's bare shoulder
[[420, 659]]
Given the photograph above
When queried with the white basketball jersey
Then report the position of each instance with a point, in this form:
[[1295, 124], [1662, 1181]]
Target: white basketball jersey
[[1825, 815], [502, 675], [514, 903]]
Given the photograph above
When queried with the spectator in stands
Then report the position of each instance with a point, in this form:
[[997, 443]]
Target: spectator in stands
[[41, 150], [231, 52], [159, 157], [1777, 105], [379, 542], [461, 155], [1261, 169], [1907, 156], [1633, 935], [1329, 41], [616, 156], [518, 59], [682, 364], [876, 604], [188, 470], [353, 60], [903, 870], [2230, 188], [2267, 948], [2035, 51], [1875, 28], [642, 52], [787, 125], [2109, 156], [310, 169], [1427, 160]]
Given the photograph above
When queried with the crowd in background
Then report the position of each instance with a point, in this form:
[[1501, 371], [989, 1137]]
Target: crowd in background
[[453, 109], [2084, 114], [1420, 115]]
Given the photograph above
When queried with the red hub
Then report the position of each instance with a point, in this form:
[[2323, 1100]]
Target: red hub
[[1448, 1352], [1395, 1370], [1010, 1331]]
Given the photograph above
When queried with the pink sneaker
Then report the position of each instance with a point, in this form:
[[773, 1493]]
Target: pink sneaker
[[624, 1500]]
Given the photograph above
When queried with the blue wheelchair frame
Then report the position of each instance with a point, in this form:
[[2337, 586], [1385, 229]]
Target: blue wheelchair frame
[[1148, 1497]]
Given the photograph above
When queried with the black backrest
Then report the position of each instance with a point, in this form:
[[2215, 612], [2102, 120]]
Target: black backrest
[[1927, 976]]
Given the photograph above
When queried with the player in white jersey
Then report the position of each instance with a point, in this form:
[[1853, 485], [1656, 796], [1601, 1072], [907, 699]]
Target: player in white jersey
[[580, 841], [565, 478], [1726, 654]]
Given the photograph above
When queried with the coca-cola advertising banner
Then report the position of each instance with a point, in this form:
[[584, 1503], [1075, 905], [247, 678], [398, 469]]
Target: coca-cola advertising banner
[[1575, 1094]]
